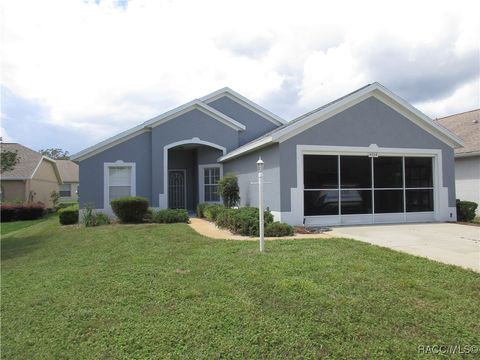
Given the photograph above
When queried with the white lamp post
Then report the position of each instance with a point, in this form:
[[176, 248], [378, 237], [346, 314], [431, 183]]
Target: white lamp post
[[260, 165]]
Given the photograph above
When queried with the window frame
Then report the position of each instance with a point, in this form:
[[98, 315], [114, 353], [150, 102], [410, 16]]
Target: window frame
[[201, 182], [69, 190], [106, 180]]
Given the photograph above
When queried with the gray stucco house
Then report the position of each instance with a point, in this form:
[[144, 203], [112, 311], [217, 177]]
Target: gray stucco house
[[367, 157]]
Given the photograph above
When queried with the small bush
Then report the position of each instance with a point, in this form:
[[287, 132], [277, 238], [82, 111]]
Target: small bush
[[63, 205], [148, 217], [243, 221], [68, 215], [211, 211], [201, 209], [229, 191], [14, 212], [101, 219], [170, 216], [466, 210], [130, 209], [278, 229]]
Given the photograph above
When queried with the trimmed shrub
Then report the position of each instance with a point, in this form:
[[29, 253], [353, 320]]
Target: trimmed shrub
[[229, 191], [148, 217], [201, 209], [466, 210], [14, 212], [130, 209], [243, 221], [211, 211], [278, 229], [63, 205], [170, 216], [101, 219], [68, 215]]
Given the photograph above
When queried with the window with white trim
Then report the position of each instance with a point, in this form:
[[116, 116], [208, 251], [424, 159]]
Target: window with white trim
[[211, 177], [119, 182], [65, 190]]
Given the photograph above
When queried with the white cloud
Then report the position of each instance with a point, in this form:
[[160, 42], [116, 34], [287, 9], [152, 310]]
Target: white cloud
[[101, 68]]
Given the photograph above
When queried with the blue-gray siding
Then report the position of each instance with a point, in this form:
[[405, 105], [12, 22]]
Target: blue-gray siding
[[256, 125], [368, 122]]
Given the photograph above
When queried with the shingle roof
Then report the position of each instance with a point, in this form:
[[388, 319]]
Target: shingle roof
[[465, 125], [28, 161], [68, 170]]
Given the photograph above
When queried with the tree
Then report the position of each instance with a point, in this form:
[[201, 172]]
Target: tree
[[229, 191], [55, 154], [8, 160]]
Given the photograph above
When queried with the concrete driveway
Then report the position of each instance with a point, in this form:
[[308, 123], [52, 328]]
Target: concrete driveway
[[448, 243]]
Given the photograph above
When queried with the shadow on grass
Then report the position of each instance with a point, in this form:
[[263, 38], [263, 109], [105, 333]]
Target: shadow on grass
[[18, 245]]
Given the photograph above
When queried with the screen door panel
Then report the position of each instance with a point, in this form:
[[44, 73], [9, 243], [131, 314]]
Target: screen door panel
[[176, 189]]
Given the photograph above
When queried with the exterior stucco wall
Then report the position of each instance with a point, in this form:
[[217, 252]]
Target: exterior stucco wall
[[137, 150], [256, 124], [191, 126], [13, 190], [467, 179], [43, 183], [368, 122], [245, 168]]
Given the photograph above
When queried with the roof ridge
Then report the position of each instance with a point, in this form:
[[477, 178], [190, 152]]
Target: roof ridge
[[460, 113]]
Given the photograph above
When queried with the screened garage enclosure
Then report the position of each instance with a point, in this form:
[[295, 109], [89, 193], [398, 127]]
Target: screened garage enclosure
[[364, 189]]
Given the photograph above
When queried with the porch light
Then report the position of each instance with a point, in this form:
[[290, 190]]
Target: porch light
[[260, 164]]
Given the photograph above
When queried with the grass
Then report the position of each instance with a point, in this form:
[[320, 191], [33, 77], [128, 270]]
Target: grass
[[163, 291], [8, 227]]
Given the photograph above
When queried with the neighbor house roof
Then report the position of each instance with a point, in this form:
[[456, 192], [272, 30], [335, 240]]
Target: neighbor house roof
[[466, 126], [198, 104], [29, 161], [68, 170], [324, 112]]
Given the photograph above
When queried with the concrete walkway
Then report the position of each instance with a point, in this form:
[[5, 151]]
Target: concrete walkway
[[206, 228], [448, 243]]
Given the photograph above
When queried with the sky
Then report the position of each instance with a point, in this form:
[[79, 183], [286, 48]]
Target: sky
[[76, 72]]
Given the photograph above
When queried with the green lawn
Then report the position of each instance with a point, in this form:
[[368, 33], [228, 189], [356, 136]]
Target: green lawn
[[163, 291], [8, 227]]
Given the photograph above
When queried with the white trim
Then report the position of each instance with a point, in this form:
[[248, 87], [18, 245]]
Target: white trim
[[201, 181], [156, 121], [440, 193], [242, 100], [163, 198], [376, 90], [184, 183], [247, 148], [195, 105], [106, 180]]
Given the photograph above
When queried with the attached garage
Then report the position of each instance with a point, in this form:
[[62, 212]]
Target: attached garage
[[366, 158]]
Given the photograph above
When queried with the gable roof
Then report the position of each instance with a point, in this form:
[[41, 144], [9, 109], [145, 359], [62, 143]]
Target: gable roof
[[242, 100], [465, 125], [29, 162], [68, 170], [332, 108], [198, 104]]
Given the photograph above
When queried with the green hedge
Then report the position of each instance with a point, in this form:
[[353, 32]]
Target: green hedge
[[170, 216], [243, 221], [201, 209], [466, 210], [130, 209], [212, 210], [278, 229], [68, 215]]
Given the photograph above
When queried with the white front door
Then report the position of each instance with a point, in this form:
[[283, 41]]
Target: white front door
[[177, 191]]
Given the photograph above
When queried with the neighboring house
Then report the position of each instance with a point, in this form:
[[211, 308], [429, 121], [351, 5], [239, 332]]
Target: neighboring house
[[368, 157], [69, 173], [32, 180], [467, 159]]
